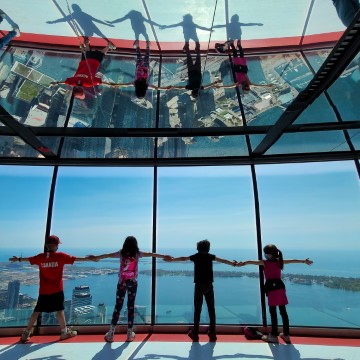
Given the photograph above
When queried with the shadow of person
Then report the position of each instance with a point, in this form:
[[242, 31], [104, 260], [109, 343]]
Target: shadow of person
[[6, 17], [137, 21], [108, 352], [189, 30], [233, 28], [205, 352], [290, 352], [83, 22], [19, 350]]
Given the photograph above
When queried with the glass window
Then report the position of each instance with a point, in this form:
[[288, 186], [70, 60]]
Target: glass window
[[24, 194], [95, 209], [214, 203], [312, 210]]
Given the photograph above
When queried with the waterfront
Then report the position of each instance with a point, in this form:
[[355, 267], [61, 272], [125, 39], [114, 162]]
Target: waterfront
[[237, 297]]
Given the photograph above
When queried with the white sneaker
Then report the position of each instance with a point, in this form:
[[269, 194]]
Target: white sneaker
[[111, 46], [130, 335], [17, 31], [270, 338], [69, 333], [286, 338], [109, 336], [25, 336], [136, 44]]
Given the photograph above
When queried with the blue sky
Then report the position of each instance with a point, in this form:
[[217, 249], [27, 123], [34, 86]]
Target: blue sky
[[302, 205]]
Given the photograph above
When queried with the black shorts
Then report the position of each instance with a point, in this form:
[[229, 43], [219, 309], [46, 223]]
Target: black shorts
[[93, 54], [50, 303]]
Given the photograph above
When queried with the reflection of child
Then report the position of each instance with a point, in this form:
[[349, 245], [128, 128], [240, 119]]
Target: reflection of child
[[51, 291], [141, 83], [240, 67], [10, 35], [129, 258], [275, 289], [203, 279], [85, 73]]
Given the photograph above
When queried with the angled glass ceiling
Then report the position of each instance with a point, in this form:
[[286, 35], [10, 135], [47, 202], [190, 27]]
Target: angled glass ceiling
[[285, 43]]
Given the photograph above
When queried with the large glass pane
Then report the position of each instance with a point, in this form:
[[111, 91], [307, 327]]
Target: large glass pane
[[312, 210], [24, 196], [214, 203], [94, 210], [345, 89]]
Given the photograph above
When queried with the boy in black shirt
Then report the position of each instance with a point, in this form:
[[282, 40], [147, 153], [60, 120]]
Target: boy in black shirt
[[203, 279]]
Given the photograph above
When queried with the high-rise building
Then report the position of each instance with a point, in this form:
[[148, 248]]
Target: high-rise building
[[81, 297], [13, 294]]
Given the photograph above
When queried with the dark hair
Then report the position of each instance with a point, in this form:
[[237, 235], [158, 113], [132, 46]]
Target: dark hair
[[203, 246], [78, 90], [140, 87], [276, 254], [130, 247]]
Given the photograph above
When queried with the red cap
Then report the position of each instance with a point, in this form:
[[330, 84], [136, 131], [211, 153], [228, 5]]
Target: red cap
[[53, 239]]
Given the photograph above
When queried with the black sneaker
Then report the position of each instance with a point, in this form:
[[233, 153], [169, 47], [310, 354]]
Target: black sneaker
[[220, 48], [193, 336], [212, 336]]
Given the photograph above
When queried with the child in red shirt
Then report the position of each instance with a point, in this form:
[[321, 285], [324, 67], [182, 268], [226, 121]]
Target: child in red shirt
[[51, 291], [85, 75]]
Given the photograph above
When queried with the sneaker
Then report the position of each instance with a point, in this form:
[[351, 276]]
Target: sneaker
[[136, 44], [286, 338], [186, 48], [193, 336], [220, 48], [25, 336], [109, 336], [270, 338], [111, 46], [130, 335], [148, 45], [67, 334], [17, 31], [212, 336]]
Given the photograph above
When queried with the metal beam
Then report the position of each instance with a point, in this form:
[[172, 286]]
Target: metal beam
[[24, 133], [340, 57]]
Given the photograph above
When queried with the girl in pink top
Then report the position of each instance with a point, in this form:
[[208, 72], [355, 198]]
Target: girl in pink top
[[240, 66], [129, 257], [275, 289]]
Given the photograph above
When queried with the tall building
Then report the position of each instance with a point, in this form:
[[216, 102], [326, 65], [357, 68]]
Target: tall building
[[81, 297], [13, 294]]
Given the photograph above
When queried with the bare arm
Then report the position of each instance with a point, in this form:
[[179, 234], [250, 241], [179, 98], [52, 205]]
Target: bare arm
[[57, 82], [213, 84], [250, 262], [224, 261], [123, 85], [155, 255], [17, 258], [99, 257], [181, 258], [306, 261]]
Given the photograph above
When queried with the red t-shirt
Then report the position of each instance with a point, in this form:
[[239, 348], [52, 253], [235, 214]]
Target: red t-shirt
[[51, 267], [85, 74]]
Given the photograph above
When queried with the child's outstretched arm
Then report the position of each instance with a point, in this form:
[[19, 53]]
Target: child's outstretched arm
[[306, 261], [99, 257], [17, 258], [250, 262], [224, 261], [155, 255], [213, 84], [181, 258]]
